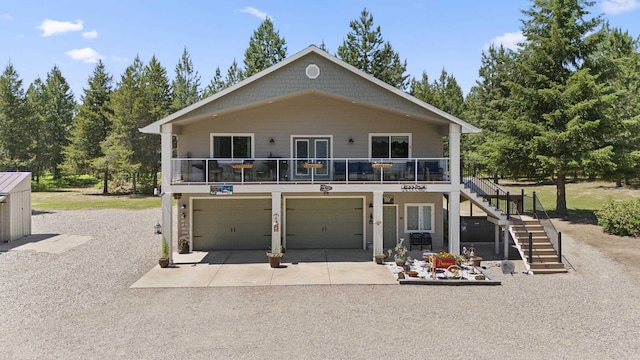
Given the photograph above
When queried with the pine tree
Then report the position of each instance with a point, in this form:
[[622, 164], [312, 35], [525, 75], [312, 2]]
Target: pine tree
[[234, 75], [365, 49], [15, 141], [215, 85], [266, 48], [35, 101], [158, 99], [92, 125], [563, 102], [129, 110], [59, 107], [617, 61], [186, 84]]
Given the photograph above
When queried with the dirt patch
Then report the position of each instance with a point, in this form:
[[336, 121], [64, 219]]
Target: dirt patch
[[626, 250]]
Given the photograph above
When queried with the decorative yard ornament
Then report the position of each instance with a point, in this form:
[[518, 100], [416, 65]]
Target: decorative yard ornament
[[325, 188], [508, 267]]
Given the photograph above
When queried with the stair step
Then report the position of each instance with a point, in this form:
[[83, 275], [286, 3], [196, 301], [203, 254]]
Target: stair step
[[539, 250], [546, 265], [549, 271], [535, 242]]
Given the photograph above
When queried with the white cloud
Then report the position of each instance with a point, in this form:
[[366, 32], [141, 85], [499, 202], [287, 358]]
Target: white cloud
[[52, 27], [86, 55], [119, 59], [508, 40], [255, 12], [90, 34], [7, 16], [615, 7]]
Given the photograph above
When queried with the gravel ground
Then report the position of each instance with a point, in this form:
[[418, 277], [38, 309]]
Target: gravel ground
[[78, 305]]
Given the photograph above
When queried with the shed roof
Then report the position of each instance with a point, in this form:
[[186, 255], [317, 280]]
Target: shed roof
[[13, 180]]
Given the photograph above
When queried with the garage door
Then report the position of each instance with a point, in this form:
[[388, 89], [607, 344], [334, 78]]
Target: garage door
[[231, 224], [324, 223]]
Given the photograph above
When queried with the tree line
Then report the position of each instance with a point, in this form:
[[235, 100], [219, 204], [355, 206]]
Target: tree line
[[563, 105]]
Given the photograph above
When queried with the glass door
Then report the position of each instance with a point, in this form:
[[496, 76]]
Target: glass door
[[302, 157], [321, 154]]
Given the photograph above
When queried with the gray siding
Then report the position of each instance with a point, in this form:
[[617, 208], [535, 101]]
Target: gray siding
[[292, 79], [311, 114]]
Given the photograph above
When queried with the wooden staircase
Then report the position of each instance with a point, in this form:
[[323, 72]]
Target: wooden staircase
[[545, 257]]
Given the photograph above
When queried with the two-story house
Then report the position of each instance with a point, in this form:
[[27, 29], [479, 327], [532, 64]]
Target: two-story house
[[311, 153]]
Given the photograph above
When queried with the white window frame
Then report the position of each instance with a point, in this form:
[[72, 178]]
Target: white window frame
[[371, 135], [251, 135], [420, 217]]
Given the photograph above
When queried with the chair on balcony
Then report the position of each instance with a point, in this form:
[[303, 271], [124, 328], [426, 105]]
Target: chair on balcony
[[339, 171], [411, 173], [214, 171], [433, 170]]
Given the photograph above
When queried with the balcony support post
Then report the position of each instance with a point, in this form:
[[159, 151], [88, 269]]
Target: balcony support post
[[166, 134], [378, 224]]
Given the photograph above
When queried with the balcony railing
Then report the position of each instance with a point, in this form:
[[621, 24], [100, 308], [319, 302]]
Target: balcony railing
[[296, 170]]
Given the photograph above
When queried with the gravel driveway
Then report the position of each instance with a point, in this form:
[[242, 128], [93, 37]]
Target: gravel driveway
[[78, 305]]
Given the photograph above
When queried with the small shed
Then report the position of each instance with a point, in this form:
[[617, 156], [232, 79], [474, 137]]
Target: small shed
[[15, 205]]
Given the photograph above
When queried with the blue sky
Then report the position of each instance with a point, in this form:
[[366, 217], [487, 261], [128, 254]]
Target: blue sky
[[429, 34]]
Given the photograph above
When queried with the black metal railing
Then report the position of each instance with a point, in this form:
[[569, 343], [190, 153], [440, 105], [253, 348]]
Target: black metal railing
[[531, 206], [492, 193]]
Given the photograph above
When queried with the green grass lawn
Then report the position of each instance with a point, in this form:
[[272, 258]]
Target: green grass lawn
[[580, 196], [80, 199], [83, 193]]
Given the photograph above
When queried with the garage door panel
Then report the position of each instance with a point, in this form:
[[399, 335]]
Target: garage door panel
[[324, 223], [234, 224]]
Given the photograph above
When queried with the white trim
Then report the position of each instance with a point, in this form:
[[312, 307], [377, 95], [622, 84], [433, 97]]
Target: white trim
[[251, 135], [371, 135], [419, 205]]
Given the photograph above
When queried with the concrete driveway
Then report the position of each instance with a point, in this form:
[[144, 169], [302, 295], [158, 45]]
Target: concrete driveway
[[251, 268]]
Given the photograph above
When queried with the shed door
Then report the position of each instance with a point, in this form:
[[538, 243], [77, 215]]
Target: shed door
[[231, 224], [321, 223]]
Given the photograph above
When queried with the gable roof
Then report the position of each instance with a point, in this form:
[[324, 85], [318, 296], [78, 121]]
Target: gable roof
[[14, 180], [154, 128]]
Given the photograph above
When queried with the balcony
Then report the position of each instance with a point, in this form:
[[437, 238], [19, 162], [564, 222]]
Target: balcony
[[305, 171]]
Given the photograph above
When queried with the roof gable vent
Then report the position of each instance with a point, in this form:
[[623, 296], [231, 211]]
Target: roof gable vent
[[312, 71]]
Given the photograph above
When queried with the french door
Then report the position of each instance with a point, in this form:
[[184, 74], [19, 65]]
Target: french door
[[312, 157]]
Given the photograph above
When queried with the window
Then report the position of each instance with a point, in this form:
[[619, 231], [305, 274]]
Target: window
[[418, 217], [394, 146], [232, 146]]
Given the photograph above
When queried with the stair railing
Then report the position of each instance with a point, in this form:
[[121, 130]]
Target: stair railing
[[532, 206], [484, 188]]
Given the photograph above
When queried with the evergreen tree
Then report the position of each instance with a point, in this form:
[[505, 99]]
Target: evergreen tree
[[186, 85], [58, 112], [489, 106], [365, 49], [266, 48], [234, 75], [564, 104], [15, 141], [158, 94], [215, 85], [35, 101], [617, 61], [129, 110], [444, 93], [92, 125]]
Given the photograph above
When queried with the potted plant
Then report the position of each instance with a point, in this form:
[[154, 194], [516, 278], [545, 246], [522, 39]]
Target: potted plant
[[401, 251], [164, 260], [380, 258], [275, 256], [183, 245]]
